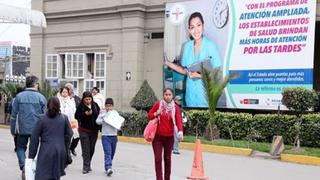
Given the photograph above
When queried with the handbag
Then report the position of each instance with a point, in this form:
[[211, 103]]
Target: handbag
[[150, 130], [30, 168]]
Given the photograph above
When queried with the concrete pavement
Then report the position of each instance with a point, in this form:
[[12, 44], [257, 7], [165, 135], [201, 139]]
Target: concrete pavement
[[135, 162]]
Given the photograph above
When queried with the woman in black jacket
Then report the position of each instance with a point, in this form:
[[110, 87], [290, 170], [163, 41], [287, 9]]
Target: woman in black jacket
[[86, 114]]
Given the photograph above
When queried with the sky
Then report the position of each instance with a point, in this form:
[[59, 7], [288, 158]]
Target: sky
[[15, 32]]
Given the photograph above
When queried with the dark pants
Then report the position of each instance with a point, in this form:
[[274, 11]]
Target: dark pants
[[162, 143], [109, 144], [88, 143], [74, 143], [22, 142]]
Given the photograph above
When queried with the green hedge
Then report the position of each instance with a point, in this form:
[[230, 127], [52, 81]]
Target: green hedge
[[242, 125]]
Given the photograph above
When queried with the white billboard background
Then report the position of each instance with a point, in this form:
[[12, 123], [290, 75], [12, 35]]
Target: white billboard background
[[263, 58]]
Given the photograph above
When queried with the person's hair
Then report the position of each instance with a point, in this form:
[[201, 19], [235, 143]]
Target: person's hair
[[86, 94], [96, 88], [192, 16], [53, 107], [31, 81], [64, 88], [167, 89], [69, 85], [109, 101]]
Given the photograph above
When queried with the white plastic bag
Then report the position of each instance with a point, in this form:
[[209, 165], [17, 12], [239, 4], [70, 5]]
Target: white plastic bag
[[30, 169]]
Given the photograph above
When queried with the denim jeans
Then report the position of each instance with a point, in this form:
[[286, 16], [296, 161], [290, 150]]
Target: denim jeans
[[176, 141], [22, 141], [109, 144]]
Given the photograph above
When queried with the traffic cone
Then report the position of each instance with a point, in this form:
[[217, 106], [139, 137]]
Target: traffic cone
[[197, 166]]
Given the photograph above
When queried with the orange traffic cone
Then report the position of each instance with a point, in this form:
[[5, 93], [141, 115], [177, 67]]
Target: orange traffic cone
[[197, 166]]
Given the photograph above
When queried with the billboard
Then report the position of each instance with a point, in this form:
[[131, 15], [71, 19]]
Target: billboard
[[269, 43]]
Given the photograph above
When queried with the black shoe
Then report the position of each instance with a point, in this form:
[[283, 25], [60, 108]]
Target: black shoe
[[176, 152], [73, 152], [85, 171]]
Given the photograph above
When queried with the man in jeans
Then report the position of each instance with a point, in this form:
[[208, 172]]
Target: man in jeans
[[26, 109]]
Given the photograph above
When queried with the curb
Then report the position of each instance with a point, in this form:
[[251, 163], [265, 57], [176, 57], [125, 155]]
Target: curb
[[310, 160], [2, 126], [190, 146]]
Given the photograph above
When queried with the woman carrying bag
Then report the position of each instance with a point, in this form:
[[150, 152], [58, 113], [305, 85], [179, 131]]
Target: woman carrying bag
[[169, 117]]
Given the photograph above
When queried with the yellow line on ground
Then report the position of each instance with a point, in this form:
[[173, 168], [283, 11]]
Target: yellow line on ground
[[190, 146], [311, 160], [2, 126]]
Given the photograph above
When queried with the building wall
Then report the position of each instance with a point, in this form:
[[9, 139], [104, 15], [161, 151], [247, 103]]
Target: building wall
[[118, 28]]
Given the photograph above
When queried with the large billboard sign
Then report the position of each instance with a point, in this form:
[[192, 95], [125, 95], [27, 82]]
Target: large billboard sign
[[269, 43]]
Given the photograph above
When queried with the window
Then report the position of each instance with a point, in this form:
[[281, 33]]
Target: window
[[100, 61], [100, 84], [90, 83], [74, 65], [52, 66]]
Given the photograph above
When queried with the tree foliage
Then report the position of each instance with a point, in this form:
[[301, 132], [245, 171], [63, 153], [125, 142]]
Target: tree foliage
[[145, 97], [214, 83], [47, 91], [9, 90], [299, 99]]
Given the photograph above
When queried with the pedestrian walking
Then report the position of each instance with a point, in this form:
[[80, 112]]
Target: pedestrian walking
[[14, 127], [169, 116], [53, 133], [76, 99], [109, 136], [86, 114], [98, 97], [176, 150], [26, 109]]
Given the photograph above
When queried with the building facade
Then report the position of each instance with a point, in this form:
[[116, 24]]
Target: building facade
[[111, 44], [14, 61]]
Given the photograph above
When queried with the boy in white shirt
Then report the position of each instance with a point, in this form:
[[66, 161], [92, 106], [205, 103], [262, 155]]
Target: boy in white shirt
[[109, 136]]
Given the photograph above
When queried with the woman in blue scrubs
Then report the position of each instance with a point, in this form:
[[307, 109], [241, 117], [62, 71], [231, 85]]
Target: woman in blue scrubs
[[198, 49]]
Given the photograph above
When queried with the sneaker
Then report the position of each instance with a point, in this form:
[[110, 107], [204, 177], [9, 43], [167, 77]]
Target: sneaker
[[73, 152], [85, 171], [109, 172], [176, 152]]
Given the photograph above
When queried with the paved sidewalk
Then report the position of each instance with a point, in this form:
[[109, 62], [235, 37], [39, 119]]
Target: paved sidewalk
[[135, 162]]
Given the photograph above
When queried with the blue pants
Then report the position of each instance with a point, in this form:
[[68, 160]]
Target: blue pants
[[22, 141], [109, 144], [176, 141]]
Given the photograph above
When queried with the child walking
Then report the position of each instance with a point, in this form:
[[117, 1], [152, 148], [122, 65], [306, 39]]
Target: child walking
[[109, 136]]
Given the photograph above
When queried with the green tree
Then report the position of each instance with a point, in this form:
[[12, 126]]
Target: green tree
[[9, 90], [299, 100], [145, 98], [47, 91], [214, 83]]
